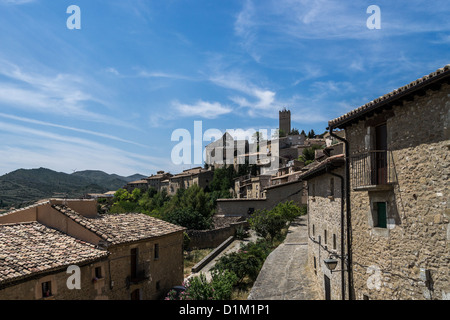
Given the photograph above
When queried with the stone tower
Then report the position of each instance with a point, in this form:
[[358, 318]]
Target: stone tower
[[285, 121]]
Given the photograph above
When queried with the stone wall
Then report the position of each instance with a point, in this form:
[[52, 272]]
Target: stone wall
[[31, 289], [274, 195], [410, 258], [161, 273], [202, 239], [324, 231]]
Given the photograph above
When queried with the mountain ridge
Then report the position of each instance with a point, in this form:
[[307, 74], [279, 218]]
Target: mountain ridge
[[25, 186]]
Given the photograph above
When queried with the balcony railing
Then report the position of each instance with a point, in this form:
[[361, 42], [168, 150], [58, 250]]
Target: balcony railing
[[372, 170]]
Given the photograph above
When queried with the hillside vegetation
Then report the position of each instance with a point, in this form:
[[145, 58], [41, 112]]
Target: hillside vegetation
[[26, 186]]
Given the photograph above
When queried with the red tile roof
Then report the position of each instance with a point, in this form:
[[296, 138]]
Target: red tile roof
[[122, 228], [30, 247]]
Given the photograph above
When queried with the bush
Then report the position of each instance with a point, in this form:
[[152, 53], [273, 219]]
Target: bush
[[198, 288], [267, 224], [247, 262], [188, 218]]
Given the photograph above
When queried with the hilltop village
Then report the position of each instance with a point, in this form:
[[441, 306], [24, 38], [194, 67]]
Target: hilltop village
[[374, 186]]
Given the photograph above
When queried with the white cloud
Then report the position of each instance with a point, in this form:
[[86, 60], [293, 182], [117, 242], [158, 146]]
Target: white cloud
[[58, 94], [15, 2], [25, 147], [209, 110]]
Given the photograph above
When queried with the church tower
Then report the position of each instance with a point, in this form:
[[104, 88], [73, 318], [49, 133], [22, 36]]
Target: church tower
[[285, 121]]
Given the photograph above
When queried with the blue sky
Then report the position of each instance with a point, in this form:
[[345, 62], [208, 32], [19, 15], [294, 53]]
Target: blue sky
[[109, 96]]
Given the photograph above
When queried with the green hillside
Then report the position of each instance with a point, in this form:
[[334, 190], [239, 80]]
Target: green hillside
[[26, 186]]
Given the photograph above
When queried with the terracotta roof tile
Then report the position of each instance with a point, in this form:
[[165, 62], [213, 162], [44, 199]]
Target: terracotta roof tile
[[27, 248], [122, 228]]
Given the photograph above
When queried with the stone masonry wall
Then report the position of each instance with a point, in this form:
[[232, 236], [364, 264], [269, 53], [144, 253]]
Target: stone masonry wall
[[324, 230], [410, 258]]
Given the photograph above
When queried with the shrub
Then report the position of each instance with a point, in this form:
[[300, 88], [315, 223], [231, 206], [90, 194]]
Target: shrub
[[198, 288]]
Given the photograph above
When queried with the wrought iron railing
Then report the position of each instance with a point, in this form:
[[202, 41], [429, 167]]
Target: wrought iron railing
[[372, 168]]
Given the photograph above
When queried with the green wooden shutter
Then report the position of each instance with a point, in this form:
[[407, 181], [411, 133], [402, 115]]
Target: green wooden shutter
[[381, 213]]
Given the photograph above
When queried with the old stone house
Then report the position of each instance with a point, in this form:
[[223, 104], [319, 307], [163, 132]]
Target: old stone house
[[120, 257], [398, 165], [326, 225]]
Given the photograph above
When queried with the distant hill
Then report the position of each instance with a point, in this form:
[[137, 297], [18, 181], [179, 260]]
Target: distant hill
[[25, 186]]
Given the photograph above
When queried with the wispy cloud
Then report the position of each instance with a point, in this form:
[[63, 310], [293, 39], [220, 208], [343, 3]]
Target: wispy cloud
[[204, 109], [16, 2], [31, 147], [57, 94], [54, 125]]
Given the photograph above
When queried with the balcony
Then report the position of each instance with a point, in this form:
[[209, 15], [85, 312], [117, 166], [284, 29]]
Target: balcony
[[372, 171]]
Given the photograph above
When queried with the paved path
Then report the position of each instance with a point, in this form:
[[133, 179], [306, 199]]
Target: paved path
[[233, 247], [284, 274]]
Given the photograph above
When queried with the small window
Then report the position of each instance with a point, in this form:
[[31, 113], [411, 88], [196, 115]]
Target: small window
[[46, 289], [334, 242], [332, 187], [313, 230], [156, 251], [315, 265], [158, 285], [380, 216], [325, 236], [98, 272]]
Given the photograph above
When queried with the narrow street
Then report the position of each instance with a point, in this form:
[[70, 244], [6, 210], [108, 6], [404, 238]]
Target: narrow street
[[284, 274]]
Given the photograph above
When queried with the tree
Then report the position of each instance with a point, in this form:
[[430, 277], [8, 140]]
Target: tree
[[267, 224], [188, 218], [309, 154], [293, 132], [311, 134]]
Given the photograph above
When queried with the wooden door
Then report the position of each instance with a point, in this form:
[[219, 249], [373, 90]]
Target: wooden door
[[381, 154]]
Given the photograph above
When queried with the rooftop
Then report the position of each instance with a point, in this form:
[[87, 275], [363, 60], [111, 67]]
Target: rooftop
[[28, 248], [122, 228], [426, 82]]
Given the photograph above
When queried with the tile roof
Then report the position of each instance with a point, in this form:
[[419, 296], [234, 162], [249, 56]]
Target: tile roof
[[30, 247], [122, 228], [318, 167], [418, 84]]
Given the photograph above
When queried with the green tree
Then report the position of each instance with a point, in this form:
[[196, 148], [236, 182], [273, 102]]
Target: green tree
[[188, 218], [198, 288], [309, 154], [267, 224]]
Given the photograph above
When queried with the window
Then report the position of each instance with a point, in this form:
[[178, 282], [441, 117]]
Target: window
[[315, 265], [158, 285], [313, 230], [325, 236], [156, 256], [98, 272], [332, 187], [380, 216], [133, 262], [334, 242], [46, 289]]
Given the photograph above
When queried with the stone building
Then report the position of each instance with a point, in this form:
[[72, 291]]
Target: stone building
[[188, 178], [285, 121], [120, 257], [156, 181], [251, 187], [398, 163], [326, 227]]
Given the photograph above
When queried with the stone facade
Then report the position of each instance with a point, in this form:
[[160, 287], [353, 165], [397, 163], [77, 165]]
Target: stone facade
[[121, 257], [324, 232], [408, 258]]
